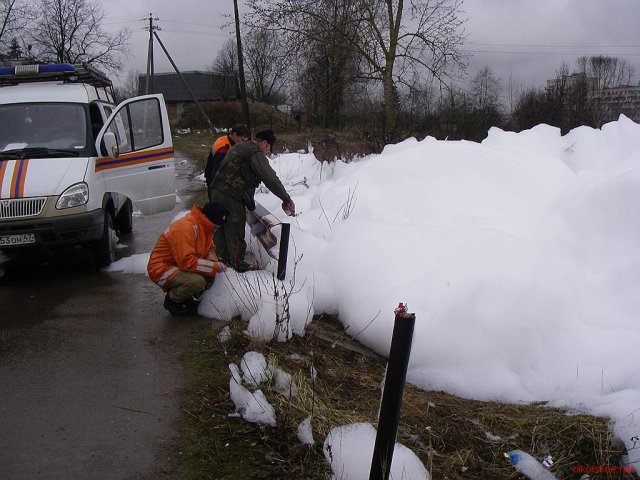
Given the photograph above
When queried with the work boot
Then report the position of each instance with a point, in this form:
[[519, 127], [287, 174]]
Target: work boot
[[176, 309], [193, 304]]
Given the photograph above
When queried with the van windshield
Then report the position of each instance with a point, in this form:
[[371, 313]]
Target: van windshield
[[48, 128]]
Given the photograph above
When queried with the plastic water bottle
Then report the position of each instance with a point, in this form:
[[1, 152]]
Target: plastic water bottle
[[529, 466]]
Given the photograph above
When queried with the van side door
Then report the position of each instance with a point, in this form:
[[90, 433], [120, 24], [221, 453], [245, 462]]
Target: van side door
[[135, 154]]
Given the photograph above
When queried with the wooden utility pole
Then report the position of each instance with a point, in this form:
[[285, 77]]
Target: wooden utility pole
[[150, 68], [243, 85]]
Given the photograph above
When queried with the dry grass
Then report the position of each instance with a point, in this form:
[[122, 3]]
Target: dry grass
[[327, 146], [225, 114], [449, 434]]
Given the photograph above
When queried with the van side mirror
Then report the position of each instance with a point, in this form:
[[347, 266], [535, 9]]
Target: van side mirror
[[110, 144]]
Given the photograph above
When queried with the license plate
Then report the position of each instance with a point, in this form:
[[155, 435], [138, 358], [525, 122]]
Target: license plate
[[19, 239]]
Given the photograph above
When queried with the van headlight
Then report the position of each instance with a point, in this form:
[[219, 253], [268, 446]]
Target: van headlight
[[74, 196]]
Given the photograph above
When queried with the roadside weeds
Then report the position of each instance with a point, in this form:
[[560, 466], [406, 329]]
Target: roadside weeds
[[455, 438]]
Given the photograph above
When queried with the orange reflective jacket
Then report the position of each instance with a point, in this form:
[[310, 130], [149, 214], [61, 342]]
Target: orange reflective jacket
[[221, 142], [187, 245]]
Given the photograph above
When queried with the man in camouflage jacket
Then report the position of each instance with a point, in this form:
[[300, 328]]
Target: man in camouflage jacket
[[234, 186]]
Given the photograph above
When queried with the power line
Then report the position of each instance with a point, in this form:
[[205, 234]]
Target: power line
[[208, 26], [550, 45], [528, 52], [189, 23], [121, 22], [210, 34], [184, 32]]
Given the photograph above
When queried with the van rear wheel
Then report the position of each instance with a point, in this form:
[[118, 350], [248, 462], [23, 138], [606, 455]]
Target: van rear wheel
[[104, 250]]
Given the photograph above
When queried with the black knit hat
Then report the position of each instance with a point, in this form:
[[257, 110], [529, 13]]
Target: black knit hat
[[215, 212], [268, 136]]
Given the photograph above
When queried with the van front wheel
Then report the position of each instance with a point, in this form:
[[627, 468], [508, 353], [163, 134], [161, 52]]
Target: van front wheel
[[104, 250], [124, 218]]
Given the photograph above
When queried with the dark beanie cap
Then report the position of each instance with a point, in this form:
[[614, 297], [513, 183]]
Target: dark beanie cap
[[268, 136], [215, 212]]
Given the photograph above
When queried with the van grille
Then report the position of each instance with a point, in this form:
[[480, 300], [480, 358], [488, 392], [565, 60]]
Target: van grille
[[21, 207]]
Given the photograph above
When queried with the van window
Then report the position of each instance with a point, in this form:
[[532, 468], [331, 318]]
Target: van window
[[96, 119], [137, 125], [60, 126], [145, 118]]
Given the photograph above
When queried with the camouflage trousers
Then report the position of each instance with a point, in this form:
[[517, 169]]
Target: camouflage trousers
[[231, 246]]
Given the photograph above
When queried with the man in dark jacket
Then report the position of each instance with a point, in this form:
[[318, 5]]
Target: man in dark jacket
[[238, 134], [240, 173]]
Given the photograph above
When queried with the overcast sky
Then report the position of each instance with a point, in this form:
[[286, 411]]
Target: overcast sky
[[525, 40]]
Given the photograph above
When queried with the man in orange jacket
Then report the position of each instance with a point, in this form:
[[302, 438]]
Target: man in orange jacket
[[238, 134], [184, 262]]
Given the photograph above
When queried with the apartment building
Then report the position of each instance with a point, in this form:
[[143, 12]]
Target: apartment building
[[611, 101], [624, 99]]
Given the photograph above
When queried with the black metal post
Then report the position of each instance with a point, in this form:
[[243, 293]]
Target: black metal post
[[284, 251], [392, 395]]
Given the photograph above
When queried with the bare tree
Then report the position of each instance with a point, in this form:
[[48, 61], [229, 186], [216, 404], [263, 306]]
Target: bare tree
[[602, 74], [266, 60], [532, 108], [587, 96], [325, 78], [607, 71], [485, 90], [454, 109], [417, 105], [70, 31], [225, 67], [14, 16], [227, 59], [329, 65], [130, 86], [390, 37], [513, 91]]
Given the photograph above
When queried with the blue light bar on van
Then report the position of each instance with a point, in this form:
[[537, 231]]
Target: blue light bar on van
[[4, 71], [51, 72], [45, 69]]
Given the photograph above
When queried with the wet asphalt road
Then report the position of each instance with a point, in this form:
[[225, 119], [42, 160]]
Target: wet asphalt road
[[91, 365]]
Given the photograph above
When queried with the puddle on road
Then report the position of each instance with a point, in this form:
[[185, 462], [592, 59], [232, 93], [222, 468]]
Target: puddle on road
[[189, 175]]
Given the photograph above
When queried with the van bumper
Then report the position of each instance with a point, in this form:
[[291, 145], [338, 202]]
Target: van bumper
[[72, 229]]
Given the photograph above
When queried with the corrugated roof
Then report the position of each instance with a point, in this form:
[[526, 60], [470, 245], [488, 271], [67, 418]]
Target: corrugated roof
[[204, 85]]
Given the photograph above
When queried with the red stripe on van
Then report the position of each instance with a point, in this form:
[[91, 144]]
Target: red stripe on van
[[22, 178], [3, 168], [18, 178], [136, 158]]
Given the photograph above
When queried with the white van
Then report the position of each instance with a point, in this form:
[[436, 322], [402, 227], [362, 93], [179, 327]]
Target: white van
[[72, 163]]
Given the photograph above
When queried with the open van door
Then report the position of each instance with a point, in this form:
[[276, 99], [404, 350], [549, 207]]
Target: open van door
[[135, 154]]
